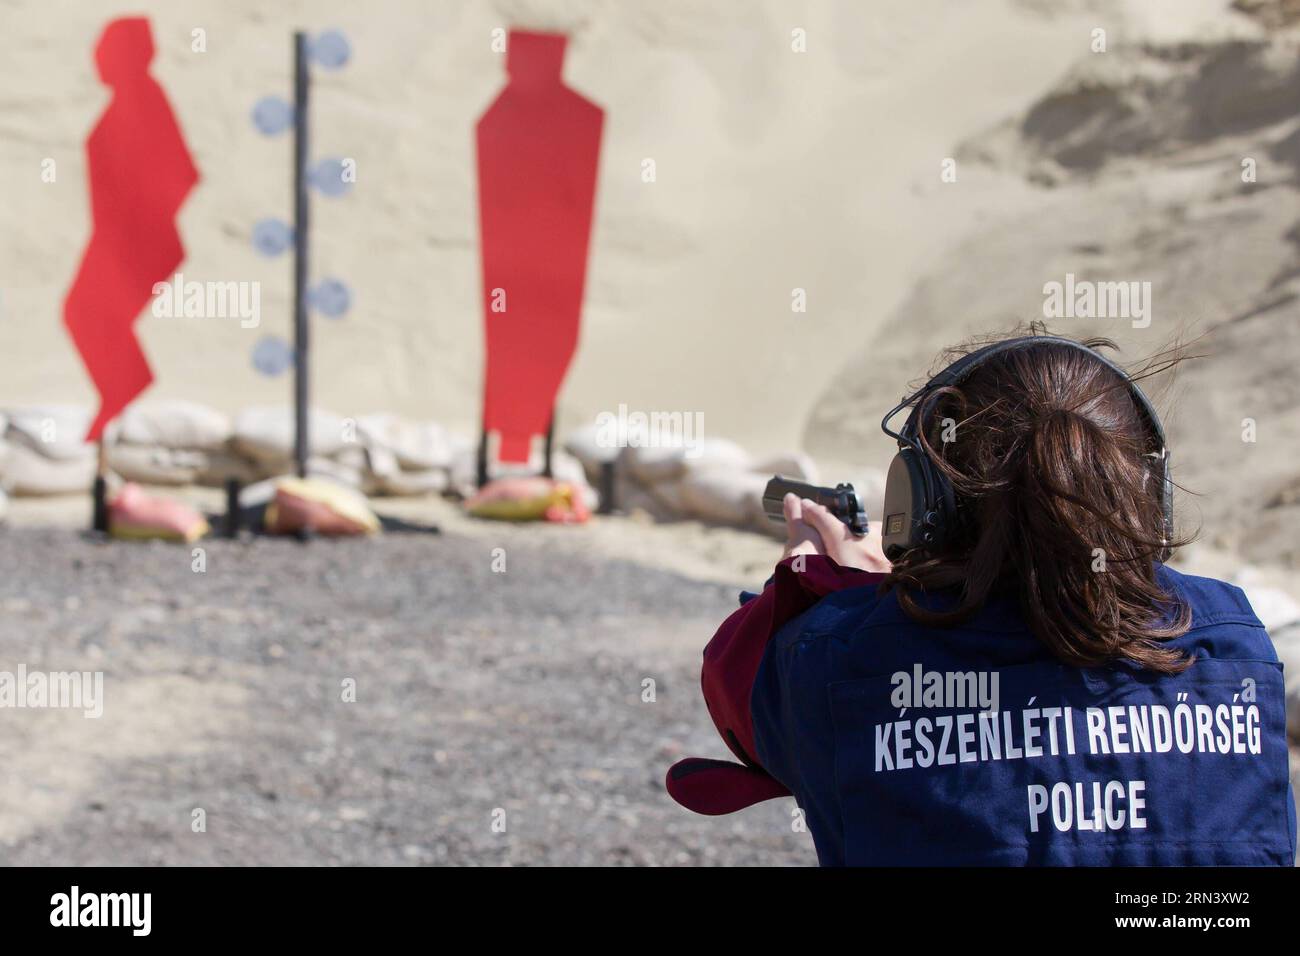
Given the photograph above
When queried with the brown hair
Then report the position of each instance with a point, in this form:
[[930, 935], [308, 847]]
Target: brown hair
[[1056, 501]]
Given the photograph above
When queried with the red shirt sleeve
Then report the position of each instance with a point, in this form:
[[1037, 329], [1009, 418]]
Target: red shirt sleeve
[[732, 657]]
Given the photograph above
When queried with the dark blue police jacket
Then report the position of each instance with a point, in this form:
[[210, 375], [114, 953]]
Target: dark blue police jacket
[[903, 747]]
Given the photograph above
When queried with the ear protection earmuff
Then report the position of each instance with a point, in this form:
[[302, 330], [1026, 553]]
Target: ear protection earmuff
[[920, 505]]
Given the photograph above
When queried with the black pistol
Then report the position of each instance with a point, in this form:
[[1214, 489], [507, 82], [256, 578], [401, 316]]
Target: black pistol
[[841, 501]]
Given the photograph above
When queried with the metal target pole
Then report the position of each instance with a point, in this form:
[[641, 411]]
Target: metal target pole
[[301, 329], [272, 116]]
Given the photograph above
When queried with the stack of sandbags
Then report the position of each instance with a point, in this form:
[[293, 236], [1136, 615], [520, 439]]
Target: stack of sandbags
[[379, 454], [586, 445], [264, 434], [714, 480], [43, 450], [405, 457], [176, 442]]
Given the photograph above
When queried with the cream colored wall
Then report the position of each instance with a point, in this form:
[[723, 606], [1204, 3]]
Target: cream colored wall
[[775, 170]]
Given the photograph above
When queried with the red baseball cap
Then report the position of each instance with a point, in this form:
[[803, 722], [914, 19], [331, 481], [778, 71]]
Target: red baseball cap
[[715, 787]]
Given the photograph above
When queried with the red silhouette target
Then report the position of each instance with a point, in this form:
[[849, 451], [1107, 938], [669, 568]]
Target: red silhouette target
[[538, 148], [140, 172]]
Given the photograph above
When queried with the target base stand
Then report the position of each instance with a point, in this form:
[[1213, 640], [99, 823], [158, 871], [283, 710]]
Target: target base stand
[[233, 516], [548, 470], [99, 491], [99, 507]]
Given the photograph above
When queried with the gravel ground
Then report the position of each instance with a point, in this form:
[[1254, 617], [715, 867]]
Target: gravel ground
[[476, 692]]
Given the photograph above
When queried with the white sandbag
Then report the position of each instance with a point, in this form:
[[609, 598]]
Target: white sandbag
[[345, 473], [431, 481], [566, 467], [156, 466], [265, 433], [325, 469], [24, 471], [417, 446], [381, 462], [724, 497], [793, 464], [348, 465], [257, 494], [584, 445], [462, 476], [633, 499], [670, 498], [174, 423], [715, 454], [355, 457], [223, 465], [53, 431], [651, 465]]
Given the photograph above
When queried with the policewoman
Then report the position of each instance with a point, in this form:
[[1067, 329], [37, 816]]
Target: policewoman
[[1007, 673]]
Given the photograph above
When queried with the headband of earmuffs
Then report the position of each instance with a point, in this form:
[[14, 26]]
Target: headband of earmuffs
[[919, 501]]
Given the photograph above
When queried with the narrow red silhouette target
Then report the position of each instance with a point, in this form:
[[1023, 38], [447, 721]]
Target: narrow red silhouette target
[[140, 172], [538, 148]]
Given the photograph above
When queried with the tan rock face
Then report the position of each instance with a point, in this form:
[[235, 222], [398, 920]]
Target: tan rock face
[[1272, 13], [1173, 165]]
